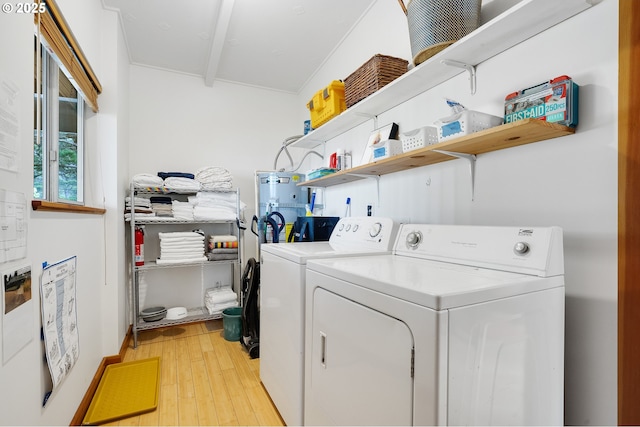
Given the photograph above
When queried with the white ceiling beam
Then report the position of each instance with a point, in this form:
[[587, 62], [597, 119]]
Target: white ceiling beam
[[219, 39]]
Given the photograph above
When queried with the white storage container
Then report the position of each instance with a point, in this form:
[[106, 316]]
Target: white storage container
[[465, 123], [419, 138]]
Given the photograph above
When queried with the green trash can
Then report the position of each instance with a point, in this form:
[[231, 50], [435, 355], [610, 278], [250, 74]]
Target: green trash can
[[232, 323]]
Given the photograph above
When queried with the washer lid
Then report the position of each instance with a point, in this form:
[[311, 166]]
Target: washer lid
[[434, 284], [302, 251]]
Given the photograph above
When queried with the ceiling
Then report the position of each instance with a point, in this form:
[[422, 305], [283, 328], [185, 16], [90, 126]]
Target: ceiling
[[276, 44]]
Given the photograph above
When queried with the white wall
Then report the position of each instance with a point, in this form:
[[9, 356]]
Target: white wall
[[570, 182], [56, 236], [114, 151]]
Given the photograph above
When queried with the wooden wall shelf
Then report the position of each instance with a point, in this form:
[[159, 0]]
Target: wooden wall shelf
[[517, 24], [497, 138]]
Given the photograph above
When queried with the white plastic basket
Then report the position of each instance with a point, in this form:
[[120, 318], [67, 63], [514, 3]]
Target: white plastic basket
[[419, 138], [465, 123]]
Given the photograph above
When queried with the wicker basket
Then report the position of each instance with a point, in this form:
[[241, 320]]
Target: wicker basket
[[377, 72]]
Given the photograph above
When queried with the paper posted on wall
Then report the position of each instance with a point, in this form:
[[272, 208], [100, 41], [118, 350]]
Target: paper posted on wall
[[59, 318], [13, 225]]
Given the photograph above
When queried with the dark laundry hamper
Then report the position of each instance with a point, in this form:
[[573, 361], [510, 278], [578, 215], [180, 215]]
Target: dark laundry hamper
[[250, 308]]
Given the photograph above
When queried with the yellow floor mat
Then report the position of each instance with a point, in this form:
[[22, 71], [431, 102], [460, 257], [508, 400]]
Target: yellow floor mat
[[125, 389]]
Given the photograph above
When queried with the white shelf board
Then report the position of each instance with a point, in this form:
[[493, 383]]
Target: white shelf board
[[519, 23]]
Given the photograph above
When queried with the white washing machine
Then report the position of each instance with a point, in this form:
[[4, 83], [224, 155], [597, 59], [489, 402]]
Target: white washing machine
[[282, 282], [460, 325]]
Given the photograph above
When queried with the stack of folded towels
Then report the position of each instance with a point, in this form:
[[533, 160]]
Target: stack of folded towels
[[215, 206], [222, 248], [217, 299], [161, 205], [214, 178], [141, 206], [181, 247], [182, 210]]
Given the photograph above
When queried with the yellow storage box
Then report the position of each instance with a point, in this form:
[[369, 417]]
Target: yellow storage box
[[327, 103]]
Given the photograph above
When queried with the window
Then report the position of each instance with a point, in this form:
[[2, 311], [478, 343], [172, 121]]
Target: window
[[58, 136], [65, 85]]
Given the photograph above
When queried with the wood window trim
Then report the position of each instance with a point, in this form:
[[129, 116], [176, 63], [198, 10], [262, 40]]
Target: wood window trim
[[43, 205], [628, 218], [55, 30]]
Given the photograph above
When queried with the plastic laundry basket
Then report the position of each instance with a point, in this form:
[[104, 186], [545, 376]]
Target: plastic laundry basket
[[232, 323], [435, 24]]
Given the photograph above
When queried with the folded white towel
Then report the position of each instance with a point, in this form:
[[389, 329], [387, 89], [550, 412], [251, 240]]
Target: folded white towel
[[220, 290], [226, 199], [181, 261], [219, 308], [186, 234], [201, 213], [138, 201], [182, 245], [216, 186], [182, 257], [212, 174], [221, 299], [147, 180], [127, 215], [180, 183], [223, 238], [166, 251]]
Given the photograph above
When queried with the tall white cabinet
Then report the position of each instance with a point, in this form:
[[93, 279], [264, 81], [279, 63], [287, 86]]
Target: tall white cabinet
[[178, 284]]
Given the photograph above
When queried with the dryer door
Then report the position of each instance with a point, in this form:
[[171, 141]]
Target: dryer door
[[361, 365]]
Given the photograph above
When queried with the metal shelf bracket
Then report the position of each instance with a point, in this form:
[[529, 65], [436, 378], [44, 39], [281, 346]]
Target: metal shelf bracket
[[471, 158], [470, 68], [376, 177], [373, 117]]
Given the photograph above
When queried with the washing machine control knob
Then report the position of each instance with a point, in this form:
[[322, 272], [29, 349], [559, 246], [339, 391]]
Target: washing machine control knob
[[355, 228], [414, 239], [375, 229], [521, 248]]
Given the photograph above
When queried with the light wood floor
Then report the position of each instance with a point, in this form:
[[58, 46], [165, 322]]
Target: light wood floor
[[205, 380]]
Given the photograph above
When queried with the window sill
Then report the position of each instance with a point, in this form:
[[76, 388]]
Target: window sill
[[43, 205]]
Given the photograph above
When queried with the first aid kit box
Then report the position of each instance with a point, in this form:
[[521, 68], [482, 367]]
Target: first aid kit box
[[554, 101]]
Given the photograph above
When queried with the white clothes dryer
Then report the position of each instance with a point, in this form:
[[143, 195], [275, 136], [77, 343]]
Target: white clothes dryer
[[282, 282], [460, 325]]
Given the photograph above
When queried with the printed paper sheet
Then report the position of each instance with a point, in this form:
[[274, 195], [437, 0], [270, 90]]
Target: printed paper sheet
[[59, 318]]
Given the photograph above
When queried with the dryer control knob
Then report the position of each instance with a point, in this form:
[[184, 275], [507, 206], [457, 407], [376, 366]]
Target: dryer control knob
[[521, 248], [413, 239], [375, 229]]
